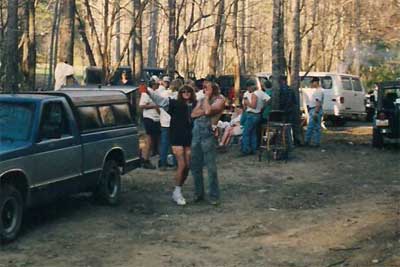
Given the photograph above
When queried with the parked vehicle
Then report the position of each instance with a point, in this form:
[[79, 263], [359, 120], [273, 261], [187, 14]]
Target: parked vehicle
[[344, 94], [386, 127], [54, 144], [370, 105]]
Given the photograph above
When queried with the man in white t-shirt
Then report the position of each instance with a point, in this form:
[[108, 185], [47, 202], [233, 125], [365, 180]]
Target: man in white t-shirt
[[165, 120], [151, 121], [253, 102], [315, 113]]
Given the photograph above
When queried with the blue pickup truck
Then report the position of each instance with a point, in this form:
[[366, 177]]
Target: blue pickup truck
[[55, 144]]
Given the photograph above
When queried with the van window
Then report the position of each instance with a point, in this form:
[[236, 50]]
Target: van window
[[346, 83], [89, 118], [357, 85], [326, 82], [122, 114]]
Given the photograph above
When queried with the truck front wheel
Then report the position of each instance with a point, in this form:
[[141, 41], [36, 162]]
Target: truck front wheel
[[11, 212], [109, 187]]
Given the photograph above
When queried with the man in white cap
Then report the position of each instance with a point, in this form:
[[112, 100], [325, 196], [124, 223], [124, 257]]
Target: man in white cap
[[151, 121], [166, 81]]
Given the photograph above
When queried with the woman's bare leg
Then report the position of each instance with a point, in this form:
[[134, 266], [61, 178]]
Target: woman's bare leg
[[179, 153]]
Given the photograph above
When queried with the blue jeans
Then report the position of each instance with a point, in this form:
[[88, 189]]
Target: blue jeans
[[314, 127], [249, 136], [204, 152], [164, 146]]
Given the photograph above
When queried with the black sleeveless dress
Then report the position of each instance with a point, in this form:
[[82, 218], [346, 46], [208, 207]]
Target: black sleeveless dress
[[181, 122]]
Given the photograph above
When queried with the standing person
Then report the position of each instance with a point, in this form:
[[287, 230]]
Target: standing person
[[315, 113], [165, 120], [288, 104], [151, 121], [204, 151], [253, 102], [180, 110]]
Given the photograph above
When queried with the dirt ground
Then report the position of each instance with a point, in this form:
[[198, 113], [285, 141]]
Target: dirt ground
[[338, 205]]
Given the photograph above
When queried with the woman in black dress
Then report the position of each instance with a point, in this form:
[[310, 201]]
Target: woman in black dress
[[180, 110]]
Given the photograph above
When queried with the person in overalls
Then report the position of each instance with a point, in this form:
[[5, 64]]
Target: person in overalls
[[315, 113], [204, 144]]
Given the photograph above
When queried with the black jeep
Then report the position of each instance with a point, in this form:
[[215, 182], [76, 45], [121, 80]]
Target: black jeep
[[387, 116]]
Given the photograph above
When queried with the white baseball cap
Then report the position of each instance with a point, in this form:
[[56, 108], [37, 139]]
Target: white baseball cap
[[154, 78]]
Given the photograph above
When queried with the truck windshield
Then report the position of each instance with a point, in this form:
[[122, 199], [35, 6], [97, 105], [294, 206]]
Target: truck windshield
[[15, 121]]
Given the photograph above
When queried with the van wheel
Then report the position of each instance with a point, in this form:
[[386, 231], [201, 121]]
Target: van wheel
[[377, 139], [109, 189], [11, 212]]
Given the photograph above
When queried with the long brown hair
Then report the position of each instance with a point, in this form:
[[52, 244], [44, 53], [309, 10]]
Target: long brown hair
[[187, 88]]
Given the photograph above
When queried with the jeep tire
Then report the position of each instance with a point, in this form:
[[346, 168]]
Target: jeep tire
[[108, 190], [377, 139], [11, 212]]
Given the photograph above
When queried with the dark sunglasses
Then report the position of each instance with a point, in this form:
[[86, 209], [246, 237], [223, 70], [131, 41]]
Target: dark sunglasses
[[185, 91]]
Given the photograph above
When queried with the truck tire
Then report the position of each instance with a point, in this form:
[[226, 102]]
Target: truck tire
[[109, 188], [377, 139], [11, 212]]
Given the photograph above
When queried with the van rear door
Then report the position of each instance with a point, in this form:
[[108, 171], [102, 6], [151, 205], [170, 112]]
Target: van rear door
[[358, 106], [346, 94]]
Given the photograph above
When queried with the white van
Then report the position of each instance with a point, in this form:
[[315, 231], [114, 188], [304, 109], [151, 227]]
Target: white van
[[344, 95]]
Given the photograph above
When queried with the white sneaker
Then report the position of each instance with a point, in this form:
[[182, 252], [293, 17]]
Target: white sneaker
[[178, 198]]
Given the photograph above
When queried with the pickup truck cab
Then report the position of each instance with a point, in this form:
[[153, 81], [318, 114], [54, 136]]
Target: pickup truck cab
[[54, 144]]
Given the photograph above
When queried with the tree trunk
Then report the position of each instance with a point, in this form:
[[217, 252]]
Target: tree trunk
[[310, 36], [11, 49], [137, 50], [357, 37], [282, 60], [276, 38], [296, 63], [53, 44], [243, 31], [67, 28], [117, 51], [236, 57], [215, 45], [28, 64], [152, 51], [85, 40], [171, 37]]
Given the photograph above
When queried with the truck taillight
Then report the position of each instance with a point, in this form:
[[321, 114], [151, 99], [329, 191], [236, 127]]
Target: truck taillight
[[341, 100], [381, 116]]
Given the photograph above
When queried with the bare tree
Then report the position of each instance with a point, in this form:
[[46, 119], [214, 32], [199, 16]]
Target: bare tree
[[153, 38], [67, 32], [235, 46], [172, 45], [28, 45], [137, 49], [215, 45], [53, 43], [276, 64], [11, 79], [296, 63]]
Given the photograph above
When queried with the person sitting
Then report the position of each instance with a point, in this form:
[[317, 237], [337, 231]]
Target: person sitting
[[233, 129]]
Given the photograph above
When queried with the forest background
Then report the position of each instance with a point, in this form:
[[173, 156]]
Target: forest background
[[201, 36]]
